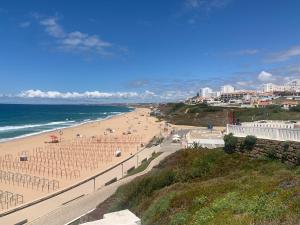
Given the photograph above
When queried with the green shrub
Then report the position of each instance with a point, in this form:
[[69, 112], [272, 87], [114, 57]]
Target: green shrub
[[295, 108], [271, 153], [249, 142], [230, 143]]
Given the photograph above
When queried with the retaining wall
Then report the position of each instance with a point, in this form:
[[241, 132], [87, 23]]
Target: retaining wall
[[287, 152], [32, 210]]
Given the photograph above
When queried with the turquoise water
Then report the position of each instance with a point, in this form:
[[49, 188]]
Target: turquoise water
[[17, 120]]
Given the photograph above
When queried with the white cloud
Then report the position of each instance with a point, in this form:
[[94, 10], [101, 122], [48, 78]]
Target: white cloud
[[77, 40], [285, 55], [264, 76], [52, 27], [74, 41], [83, 95]]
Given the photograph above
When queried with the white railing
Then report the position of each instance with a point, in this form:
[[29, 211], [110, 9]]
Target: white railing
[[280, 134]]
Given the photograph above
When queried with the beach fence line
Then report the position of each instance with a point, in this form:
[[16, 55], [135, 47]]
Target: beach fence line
[[32, 210], [8, 199], [25, 180], [272, 133], [67, 159]]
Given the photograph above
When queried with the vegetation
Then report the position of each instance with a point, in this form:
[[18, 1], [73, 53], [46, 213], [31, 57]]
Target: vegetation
[[144, 165], [202, 114], [230, 143], [211, 187], [295, 109], [271, 154], [249, 142]]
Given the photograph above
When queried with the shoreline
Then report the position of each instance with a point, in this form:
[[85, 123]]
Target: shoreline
[[4, 140], [136, 127]]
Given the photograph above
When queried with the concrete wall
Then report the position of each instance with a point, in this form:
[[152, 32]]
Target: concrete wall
[[206, 143], [32, 210], [280, 134]]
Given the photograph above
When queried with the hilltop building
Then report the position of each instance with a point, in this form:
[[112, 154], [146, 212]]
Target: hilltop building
[[227, 89], [206, 92], [286, 95], [292, 86]]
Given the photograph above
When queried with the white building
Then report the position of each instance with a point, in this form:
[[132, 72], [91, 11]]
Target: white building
[[270, 87], [206, 92], [215, 94], [227, 89], [293, 85]]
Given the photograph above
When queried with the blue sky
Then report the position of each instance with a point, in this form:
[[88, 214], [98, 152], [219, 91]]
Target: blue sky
[[110, 51]]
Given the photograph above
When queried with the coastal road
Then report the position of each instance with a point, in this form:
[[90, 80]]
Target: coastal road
[[75, 209]]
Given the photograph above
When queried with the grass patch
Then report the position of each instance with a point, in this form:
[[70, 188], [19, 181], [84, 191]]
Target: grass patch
[[143, 165], [193, 187]]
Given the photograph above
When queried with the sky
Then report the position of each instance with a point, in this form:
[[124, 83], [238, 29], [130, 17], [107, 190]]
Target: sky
[[143, 51]]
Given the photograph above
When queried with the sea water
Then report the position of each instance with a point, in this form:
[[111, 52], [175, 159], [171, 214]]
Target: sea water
[[20, 120]]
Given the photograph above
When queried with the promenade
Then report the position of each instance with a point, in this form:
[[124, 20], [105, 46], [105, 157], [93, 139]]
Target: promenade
[[75, 209]]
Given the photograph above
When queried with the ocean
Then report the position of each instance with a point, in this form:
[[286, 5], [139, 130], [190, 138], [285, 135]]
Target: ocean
[[18, 120]]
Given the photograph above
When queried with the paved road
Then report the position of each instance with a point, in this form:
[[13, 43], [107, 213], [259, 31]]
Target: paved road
[[75, 209]]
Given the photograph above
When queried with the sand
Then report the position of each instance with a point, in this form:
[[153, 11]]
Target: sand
[[142, 128]]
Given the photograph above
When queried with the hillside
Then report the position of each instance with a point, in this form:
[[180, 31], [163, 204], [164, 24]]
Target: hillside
[[193, 187], [202, 114]]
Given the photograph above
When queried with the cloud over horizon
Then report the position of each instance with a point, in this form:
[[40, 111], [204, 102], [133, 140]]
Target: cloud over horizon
[[77, 95]]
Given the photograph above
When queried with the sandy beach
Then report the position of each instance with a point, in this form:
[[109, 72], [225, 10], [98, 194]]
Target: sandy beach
[[128, 132]]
